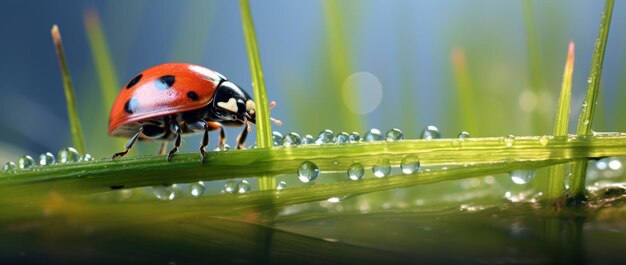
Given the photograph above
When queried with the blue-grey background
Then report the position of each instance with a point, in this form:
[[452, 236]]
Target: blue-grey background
[[406, 45]]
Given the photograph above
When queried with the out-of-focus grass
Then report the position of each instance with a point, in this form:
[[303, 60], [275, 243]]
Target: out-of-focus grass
[[534, 65], [70, 98]]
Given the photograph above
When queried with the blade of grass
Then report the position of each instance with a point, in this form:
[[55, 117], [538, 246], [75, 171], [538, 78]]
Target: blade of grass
[[585, 120], [104, 175], [534, 65], [464, 88], [70, 99], [263, 125], [556, 183]]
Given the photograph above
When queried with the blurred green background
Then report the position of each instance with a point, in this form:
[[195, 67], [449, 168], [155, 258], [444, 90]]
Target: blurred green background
[[339, 65]]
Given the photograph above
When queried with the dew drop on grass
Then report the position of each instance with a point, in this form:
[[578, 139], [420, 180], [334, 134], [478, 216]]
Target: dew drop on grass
[[25, 162], [291, 139], [325, 137], [586, 121], [342, 138], [225, 147], [164, 193], [463, 135], [8, 166], [46, 159], [394, 135], [230, 186], [243, 186], [430, 132], [196, 189], [308, 171], [281, 185], [277, 138], [544, 140], [68, 155], [308, 139], [373, 135], [355, 137], [382, 168], [509, 140], [410, 164], [88, 157], [522, 176], [356, 171]]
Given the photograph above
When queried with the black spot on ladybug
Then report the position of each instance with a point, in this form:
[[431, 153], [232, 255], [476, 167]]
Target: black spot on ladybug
[[131, 105], [192, 95], [134, 81], [117, 187], [165, 82]]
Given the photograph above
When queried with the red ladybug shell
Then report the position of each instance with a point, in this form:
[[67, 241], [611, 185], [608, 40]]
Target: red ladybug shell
[[162, 90]]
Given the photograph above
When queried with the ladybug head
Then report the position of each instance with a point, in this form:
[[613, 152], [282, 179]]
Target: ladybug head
[[231, 103]]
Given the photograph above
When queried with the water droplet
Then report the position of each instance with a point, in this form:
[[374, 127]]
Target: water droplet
[[225, 147], [46, 159], [88, 157], [277, 138], [243, 186], [325, 137], [307, 171], [509, 140], [164, 193], [230, 186], [589, 80], [584, 104], [292, 138], [8, 166], [586, 121], [342, 138], [355, 137], [464, 135], [281, 185], [308, 139], [25, 162], [522, 176], [394, 135], [373, 135], [431, 132], [196, 189], [543, 140], [410, 164], [615, 163], [356, 171], [382, 168], [68, 155]]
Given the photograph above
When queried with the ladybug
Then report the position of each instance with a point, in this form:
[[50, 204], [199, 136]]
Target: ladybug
[[171, 99]]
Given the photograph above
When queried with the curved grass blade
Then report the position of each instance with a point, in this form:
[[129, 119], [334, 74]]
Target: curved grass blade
[[585, 120], [556, 183], [263, 126], [105, 175], [70, 99]]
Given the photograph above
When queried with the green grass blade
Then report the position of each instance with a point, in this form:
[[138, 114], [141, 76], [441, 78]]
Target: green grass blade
[[72, 111], [556, 183], [104, 175], [534, 65], [585, 120], [465, 91], [263, 125]]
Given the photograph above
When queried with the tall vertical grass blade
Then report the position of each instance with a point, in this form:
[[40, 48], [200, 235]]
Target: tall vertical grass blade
[[263, 126], [99, 50], [77, 132], [534, 65], [577, 182], [556, 183], [464, 88]]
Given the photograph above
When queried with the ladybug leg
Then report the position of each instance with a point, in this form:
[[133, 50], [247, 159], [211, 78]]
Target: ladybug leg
[[221, 139], [128, 145], [176, 143], [163, 148], [204, 143], [241, 139]]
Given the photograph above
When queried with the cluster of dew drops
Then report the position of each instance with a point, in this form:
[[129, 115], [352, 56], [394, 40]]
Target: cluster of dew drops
[[65, 155]]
